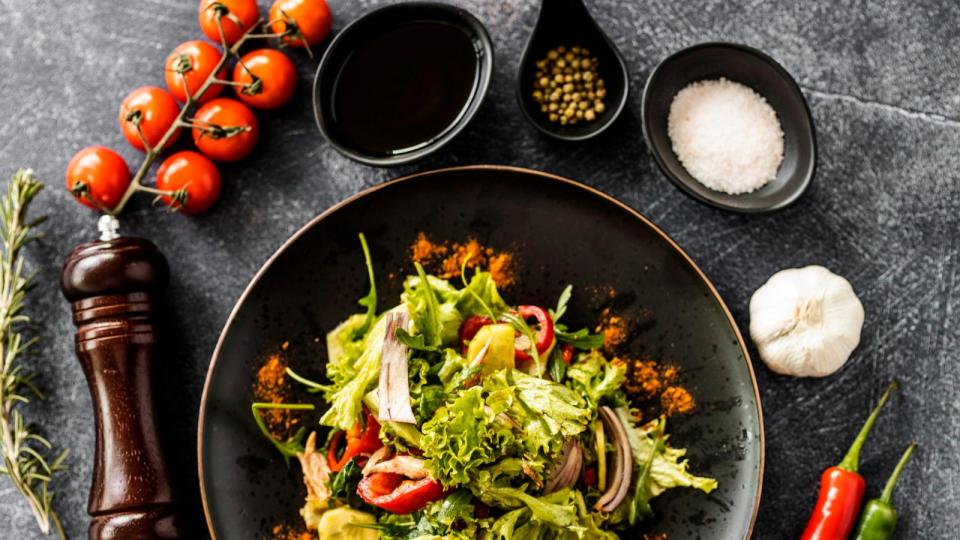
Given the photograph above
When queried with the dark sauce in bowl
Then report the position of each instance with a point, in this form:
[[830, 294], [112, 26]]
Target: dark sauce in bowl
[[405, 88]]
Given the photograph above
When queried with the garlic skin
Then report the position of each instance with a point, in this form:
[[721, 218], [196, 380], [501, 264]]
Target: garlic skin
[[805, 321]]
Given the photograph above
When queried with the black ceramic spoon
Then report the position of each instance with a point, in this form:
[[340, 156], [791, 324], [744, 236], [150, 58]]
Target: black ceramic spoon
[[568, 23]]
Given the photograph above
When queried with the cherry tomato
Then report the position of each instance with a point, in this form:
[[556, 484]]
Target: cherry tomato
[[226, 129], [100, 174], [544, 329], [397, 494], [155, 110], [195, 60], [361, 440], [268, 79], [237, 16], [469, 328], [196, 174], [310, 21]]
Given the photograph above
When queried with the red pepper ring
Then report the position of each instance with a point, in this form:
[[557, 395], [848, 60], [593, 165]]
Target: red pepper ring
[[544, 332], [359, 442], [397, 494], [469, 328]]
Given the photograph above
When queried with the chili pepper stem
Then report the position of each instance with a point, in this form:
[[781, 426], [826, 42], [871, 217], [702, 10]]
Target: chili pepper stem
[[887, 495], [851, 461]]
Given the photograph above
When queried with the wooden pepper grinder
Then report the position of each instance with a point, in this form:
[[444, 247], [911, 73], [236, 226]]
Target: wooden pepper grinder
[[111, 285]]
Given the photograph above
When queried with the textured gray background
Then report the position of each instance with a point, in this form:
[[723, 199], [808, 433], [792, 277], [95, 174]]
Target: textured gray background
[[882, 79]]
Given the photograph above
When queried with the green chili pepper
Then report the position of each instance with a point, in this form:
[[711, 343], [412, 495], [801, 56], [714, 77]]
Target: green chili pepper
[[879, 517]]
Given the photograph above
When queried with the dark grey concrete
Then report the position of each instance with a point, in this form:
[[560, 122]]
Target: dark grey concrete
[[882, 78]]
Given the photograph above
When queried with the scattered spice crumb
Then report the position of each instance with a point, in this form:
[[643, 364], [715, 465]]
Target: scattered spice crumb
[[270, 386], [286, 532], [676, 400], [614, 330], [654, 536], [657, 385], [445, 259]]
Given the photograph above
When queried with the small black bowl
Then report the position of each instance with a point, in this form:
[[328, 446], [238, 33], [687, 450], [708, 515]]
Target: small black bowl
[[373, 24], [765, 76], [568, 23]]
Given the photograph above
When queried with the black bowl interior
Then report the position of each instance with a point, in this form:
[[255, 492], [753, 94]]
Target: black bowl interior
[[563, 232], [766, 77], [569, 23], [374, 24]]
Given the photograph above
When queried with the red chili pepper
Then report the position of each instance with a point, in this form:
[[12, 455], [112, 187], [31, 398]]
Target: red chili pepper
[[360, 440], [397, 494], [544, 332], [567, 351], [841, 489], [469, 328]]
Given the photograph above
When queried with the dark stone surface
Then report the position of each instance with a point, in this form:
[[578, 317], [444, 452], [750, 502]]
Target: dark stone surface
[[883, 81]]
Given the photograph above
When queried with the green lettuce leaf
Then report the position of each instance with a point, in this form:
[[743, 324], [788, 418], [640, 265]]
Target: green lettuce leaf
[[481, 297], [463, 436], [431, 303], [345, 400], [548, 413], [668, 469], [343, 349], [593, 376]]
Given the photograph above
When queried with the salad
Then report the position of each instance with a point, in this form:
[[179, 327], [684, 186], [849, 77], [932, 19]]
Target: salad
[[458, 415]]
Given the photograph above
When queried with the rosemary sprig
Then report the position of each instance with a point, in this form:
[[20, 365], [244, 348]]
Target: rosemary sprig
[[26, 454]]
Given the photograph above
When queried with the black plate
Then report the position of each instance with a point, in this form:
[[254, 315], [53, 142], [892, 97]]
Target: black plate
[[765, 76], [563, 232]]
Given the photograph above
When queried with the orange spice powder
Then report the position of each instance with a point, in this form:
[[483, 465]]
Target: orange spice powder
[[614, 329], [270, 386], [286, 532], [656, 384], [445, 259]]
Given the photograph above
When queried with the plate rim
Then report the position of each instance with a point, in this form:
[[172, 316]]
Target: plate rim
[[443, 170]]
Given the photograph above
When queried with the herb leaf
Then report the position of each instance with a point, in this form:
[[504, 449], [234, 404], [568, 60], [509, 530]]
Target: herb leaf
[[556, 367], [370, 300], [581, 339], [292, 446], [562, 303]]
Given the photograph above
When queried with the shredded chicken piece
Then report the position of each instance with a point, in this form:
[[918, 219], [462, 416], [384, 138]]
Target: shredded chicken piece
[[375, 458], [409, 466], [316, 474]]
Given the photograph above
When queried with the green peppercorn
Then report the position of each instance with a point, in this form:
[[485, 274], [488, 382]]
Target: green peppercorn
[[567, 86]]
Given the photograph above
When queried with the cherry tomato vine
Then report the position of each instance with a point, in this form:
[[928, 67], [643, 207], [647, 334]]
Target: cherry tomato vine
[[224, 129]]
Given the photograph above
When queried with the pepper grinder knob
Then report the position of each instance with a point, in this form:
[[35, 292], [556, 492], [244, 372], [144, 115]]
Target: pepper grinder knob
[[111, 285]]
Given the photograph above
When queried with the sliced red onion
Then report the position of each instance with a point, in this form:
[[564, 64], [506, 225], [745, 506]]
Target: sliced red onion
[[622, 471], [394, 387], [565, 474]]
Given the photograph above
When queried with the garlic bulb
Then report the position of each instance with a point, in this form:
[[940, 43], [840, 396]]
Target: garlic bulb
[[805, 321]]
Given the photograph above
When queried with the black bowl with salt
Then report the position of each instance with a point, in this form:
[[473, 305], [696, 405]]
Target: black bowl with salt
[[762, 74]]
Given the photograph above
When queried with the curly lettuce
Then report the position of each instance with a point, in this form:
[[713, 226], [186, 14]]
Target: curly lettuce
[[463, 436], [597, 378]]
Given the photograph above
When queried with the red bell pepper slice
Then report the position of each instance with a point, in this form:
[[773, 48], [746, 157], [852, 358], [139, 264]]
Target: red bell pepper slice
[[544, 332], [397, 494], [469, 328], [360, 441], [566, 350]]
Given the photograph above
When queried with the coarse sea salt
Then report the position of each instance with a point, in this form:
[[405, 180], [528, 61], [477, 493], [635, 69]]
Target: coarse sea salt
[[726, 135]]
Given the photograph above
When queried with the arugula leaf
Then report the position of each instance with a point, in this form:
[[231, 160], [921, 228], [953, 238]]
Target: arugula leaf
[[581, 339], [556, 367], [292, 446], [431, 303], [343, 485], [312, 386], [416, 343], [370, 300], [640, 505], [562, 304], [480, 296], [453, 506]]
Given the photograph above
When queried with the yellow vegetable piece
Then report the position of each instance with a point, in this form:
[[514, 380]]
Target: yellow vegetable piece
[[340, 524], [499, 352]]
